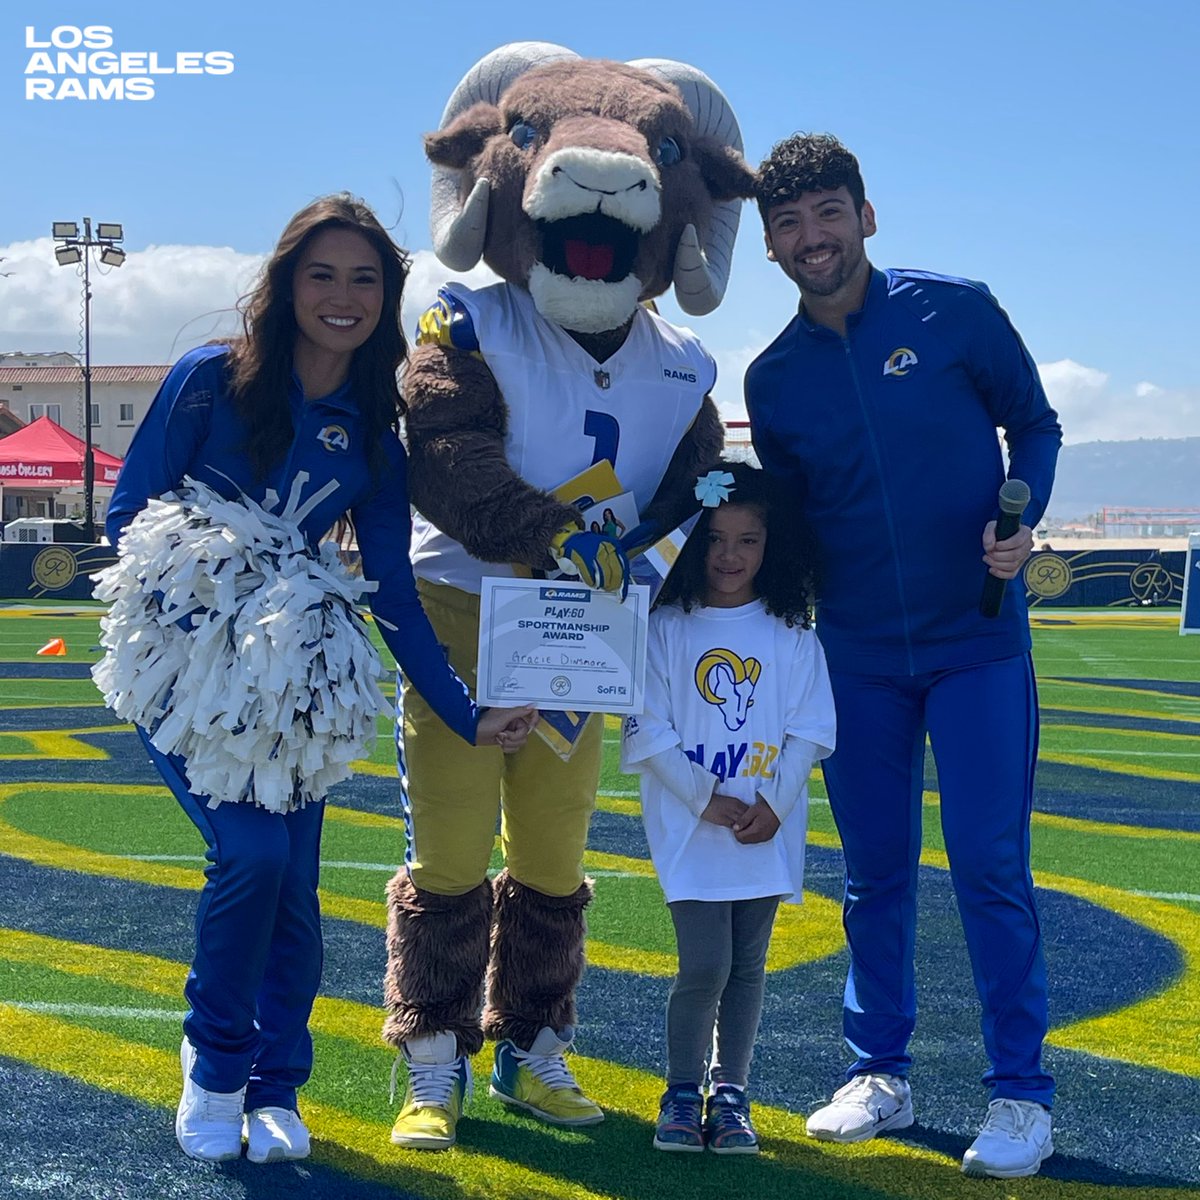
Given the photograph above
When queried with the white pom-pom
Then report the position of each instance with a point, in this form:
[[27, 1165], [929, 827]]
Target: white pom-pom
[[238, 648]]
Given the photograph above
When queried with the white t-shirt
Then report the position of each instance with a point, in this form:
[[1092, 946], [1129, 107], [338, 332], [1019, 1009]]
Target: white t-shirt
[[566, 411], [728, 687]]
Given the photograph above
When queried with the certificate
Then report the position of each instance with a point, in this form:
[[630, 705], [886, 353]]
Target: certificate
[[561, 646]]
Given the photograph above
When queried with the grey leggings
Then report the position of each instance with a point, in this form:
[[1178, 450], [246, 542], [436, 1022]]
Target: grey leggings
[[717, 996]]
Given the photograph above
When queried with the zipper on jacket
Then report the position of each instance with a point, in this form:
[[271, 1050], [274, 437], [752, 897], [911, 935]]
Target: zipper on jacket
[[887, 507]]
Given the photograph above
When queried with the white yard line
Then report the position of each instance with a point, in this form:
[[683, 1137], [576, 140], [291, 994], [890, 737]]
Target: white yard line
[[1116, 753], [1191, 897], [98, 1010]]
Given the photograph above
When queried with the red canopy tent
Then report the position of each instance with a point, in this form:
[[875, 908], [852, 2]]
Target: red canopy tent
[[44, 454]]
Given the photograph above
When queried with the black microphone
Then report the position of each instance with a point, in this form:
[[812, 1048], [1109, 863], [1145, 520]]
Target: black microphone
[[1014, 496]]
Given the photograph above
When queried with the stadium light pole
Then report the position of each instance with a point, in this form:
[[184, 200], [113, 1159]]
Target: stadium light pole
[[71, 248]]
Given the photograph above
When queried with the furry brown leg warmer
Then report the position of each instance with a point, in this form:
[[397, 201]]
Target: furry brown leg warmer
[[537, 960], [437, 955]]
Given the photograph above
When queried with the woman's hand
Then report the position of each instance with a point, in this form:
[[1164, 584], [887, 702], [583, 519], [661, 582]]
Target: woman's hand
[[508, 728]]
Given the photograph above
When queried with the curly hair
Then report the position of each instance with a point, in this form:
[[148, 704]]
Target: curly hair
[[261, 361], [786, 579], [807, 162]]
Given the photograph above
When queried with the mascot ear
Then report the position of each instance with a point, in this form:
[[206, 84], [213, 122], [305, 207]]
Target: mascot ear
[[723, 170], [461, 140]]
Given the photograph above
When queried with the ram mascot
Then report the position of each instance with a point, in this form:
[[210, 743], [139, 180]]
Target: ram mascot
[[588, 187]]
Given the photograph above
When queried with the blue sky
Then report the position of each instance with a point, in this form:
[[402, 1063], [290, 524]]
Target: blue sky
[[1048, 148]]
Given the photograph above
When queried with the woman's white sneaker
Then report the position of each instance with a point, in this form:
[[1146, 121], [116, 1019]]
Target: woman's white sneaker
[[1014, 1141], [208, 1125], [275, 1135], [867, 1105]]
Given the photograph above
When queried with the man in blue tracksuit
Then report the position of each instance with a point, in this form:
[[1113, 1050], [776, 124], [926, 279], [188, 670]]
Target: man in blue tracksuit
[[879, 403]]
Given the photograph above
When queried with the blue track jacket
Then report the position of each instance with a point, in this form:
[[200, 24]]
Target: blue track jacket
[[193, 429], [889, 437]]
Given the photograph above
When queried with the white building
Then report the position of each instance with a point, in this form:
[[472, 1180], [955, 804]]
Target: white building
[[51, 385]]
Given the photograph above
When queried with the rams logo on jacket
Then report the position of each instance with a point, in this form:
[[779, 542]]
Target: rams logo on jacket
[[727, 681], [334, 437]]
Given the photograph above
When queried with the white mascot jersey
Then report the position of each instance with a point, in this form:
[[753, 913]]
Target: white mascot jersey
[[566, 411], [726, 686]]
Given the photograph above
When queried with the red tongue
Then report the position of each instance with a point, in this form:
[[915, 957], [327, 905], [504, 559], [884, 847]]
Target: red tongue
[[588, 261]]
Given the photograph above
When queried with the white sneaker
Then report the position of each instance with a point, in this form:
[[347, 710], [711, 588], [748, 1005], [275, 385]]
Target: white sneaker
[[867, 1105], [208, 1125], [274, 1135], [1014, 1140]]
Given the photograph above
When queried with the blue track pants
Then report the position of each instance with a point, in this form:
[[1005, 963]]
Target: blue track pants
[[258, 945], [982, 726]]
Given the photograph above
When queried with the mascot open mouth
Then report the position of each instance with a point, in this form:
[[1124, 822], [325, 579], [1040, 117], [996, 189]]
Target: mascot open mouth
[[589, 246]]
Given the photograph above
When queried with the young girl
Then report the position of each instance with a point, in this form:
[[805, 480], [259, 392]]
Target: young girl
[[738, 708], [307, 397]]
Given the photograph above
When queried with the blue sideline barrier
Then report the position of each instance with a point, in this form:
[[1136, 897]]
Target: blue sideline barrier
[[49, 570], [1104, 578], [1078, 579]]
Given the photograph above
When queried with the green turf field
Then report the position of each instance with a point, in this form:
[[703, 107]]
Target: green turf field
[[99, 870]]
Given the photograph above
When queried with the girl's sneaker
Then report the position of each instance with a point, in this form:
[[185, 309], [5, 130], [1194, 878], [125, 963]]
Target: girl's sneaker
[[727, 1126], [680, 1120]]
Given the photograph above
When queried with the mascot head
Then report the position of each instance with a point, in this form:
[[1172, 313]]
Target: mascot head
[[593, 184]]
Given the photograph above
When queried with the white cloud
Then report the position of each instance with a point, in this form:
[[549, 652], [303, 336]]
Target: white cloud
[[426, 276], [166, 299], [1092, 408], [1089, 405], [161, 302]]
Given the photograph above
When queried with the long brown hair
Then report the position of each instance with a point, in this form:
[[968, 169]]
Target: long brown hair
[[261, 361]]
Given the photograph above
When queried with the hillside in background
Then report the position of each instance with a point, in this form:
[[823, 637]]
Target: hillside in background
[[1147, 473]]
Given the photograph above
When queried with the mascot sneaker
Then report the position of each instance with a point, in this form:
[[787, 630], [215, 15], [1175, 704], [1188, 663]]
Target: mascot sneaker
[[727, 1125], [680, 1120], [1014, 1141], [867, 1105], [439, 1082], [208, 1125], [539, 1081], [275, 1135]]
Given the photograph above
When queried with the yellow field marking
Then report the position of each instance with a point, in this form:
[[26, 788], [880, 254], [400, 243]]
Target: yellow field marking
[[1159, 1031], [360, 1146], [158, 976], [1129, 714], [152, 1077], [60, 744], [360, 819], [1100, 685], [1105, 829], [625, 806], [803, 934], [1137, 770], [45, 852], [1044, 618], [52, 613]]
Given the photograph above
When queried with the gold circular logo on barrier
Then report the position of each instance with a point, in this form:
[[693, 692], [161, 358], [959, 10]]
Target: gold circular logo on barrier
[[54, 568], [1150, 583], [1047, 576]]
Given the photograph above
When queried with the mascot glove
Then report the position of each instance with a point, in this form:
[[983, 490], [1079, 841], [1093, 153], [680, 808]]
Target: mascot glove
[[596, 558], [640, 537]]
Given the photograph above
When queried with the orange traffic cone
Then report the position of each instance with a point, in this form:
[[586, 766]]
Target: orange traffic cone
[[54, 648]]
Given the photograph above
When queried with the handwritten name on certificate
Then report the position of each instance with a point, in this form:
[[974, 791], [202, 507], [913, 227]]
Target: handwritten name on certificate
[[562, 646]]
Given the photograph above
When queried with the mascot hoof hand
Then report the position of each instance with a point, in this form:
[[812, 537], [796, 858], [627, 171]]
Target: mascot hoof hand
[[596, 558]]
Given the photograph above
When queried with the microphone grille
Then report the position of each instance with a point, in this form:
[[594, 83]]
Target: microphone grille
[[1014, 496]]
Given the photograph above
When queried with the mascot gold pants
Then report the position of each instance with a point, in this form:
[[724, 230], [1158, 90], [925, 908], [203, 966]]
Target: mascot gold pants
[[449, 929]]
